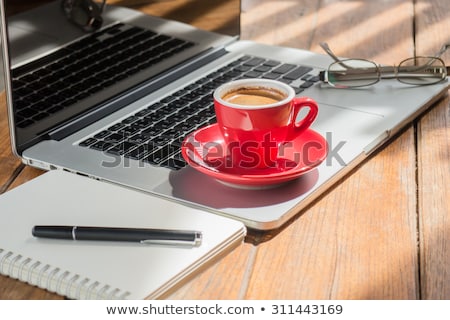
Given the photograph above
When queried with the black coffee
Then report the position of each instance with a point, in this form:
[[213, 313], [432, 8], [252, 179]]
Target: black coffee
[[254, 96]]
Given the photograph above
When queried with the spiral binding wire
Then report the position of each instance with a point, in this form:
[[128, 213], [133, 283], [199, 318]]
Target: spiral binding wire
[[54, 279]]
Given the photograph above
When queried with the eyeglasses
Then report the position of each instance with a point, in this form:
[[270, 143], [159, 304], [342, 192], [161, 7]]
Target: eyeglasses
[[352, 73], [87, 14]]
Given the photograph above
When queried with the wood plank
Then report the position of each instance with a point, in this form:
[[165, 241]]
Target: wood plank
[[351, 28], [359, 241], [12, 289], [434, 195], [372, 30], [432, 27], [285, 23], [10, 165], [433, 30], [26, 174], [224, 280]]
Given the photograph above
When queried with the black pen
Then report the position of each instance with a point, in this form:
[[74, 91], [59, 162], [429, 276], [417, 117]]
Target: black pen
[[145, 236]]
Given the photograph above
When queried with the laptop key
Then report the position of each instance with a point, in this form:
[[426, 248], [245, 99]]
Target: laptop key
[[138, 139], [101, 146], [40, 116], [262, 68], [244, 58], [297, 73], [114, 137], [253, 74], [144, 112], [102, 134], [287, 81], [271, 63], [306, 84], [129, 130], [150, 132], [88, 142], [161, 140], [271, 75], [116, 127], [284, 68], [314, 79], [27, 113], [242, 68], [253, 62], [55, 109]]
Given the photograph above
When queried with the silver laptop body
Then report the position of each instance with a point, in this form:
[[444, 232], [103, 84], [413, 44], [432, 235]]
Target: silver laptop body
[[354, 122]]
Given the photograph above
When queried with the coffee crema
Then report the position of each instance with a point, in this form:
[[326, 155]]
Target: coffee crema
[[254, 96]]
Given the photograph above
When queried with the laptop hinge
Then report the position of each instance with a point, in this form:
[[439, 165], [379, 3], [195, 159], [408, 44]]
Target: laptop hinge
[[135, 93]]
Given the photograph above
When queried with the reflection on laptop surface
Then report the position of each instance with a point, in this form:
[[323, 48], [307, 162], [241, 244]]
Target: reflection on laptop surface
[[116, 102]]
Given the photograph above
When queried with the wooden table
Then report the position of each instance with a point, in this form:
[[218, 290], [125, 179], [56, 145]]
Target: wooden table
[[383, 232]]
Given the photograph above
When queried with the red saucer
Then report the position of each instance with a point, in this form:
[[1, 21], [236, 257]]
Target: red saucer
[[205, 150]]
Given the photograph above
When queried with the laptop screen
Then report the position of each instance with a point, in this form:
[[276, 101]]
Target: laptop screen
[[72, 58]]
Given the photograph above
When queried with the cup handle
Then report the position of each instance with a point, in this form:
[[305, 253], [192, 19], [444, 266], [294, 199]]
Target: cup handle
[[303, 124]]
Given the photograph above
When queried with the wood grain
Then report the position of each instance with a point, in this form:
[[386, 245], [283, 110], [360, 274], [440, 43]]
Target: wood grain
[[433, 146], [9, 164], [359, 241], [12, 289], [355, 29], [383, 231], [434, 195], [224, 280]]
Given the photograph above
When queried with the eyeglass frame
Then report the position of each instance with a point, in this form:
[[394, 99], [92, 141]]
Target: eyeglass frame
[[90, 8], [379, 70]]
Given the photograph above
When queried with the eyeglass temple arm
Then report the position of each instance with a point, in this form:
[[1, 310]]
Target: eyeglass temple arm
[[102, 6], [440, 53], [327, 49], [442, 50]]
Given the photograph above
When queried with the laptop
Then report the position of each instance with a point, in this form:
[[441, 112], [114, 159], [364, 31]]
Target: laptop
[[114, 104]]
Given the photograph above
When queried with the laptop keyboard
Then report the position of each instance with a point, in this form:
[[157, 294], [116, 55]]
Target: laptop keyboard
[[154, 134], [57, 81]]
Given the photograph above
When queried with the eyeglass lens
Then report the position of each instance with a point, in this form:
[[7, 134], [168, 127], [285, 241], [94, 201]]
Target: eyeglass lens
[[360, 73], [353, 73], [421, 70]]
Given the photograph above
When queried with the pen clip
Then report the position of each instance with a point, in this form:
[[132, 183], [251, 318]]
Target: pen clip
[[194, 243]]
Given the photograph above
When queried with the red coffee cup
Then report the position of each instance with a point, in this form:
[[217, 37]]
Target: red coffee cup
[[257, 116]]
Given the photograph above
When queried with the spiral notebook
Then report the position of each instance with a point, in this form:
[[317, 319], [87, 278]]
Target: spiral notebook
[[100, 269]]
